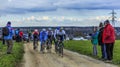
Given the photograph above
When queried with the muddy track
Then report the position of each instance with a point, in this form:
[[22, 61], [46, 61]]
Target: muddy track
[[33, 58]]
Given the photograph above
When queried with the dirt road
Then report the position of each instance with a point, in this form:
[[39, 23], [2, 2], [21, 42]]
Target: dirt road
[[33, 58]]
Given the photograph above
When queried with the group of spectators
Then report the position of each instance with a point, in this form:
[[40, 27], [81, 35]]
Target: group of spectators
[[105, 37], [9, 34]]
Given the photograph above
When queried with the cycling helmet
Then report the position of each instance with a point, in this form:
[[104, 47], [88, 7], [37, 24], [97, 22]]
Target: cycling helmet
[[49, 28], [58, 28], [61, 28], [36, 30], [43, 29]]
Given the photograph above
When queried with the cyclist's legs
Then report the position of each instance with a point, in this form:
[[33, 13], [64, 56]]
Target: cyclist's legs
[[50, 43], [56, 46], [36, 43], [61, 45], [33, 43], [62, 48], [42, 45]]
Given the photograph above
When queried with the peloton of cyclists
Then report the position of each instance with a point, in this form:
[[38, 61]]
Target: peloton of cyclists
[[47, 36]]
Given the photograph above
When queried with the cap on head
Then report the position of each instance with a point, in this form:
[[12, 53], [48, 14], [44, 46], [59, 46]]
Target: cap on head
[[107, 22], [9, 23]]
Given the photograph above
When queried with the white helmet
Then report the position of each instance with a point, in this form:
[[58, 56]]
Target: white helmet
[[49, 28], [43, 29], [36, 30]]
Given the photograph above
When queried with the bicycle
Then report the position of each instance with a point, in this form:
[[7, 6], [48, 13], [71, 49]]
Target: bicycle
[[43, 44], [35, 44], [49, 45], [60, 46], [56, 45]]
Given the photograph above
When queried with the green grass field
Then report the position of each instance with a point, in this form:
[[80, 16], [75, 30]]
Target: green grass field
[[85, 47], [11, 60]]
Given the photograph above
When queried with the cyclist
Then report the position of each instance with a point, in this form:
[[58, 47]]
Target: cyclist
[[55, 37], [61, 36], [50, 38], [35, 38], [43, 39]]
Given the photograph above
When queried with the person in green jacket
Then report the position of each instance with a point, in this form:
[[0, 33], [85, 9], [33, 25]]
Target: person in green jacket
[[95, 41]]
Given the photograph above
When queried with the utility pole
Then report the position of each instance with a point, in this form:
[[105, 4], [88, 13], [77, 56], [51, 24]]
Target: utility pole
[[113, 17]]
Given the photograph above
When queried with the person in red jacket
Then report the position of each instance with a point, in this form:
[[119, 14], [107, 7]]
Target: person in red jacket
[[108, 38], [21, 35]]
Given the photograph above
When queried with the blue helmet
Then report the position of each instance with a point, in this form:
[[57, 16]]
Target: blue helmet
[[58, 28]]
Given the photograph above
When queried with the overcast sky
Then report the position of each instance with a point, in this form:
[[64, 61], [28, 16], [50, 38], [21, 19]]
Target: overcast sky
[[57, 12]]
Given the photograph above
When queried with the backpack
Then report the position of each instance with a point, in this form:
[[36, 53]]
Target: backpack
[[5, 31]]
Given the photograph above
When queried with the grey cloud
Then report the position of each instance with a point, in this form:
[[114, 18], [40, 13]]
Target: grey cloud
[[26, 6]]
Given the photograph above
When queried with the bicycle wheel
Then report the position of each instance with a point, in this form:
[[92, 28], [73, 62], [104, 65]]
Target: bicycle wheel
[[61, 49], [42, 47]]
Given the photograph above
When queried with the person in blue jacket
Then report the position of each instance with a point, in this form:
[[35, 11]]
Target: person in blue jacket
[[9, 38], [43, 38]]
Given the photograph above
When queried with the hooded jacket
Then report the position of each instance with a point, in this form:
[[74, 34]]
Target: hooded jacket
[[108, 35]]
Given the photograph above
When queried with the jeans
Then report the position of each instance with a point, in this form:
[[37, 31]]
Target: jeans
[[103, 50], [95, 50]]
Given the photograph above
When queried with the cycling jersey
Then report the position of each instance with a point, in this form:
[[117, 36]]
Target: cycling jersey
[[49, 34], [35, 35], [43, 36], [61, 35]]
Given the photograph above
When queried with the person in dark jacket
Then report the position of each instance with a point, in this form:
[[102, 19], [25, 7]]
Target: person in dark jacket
[[103, 47], [17, 35], [109, 40]]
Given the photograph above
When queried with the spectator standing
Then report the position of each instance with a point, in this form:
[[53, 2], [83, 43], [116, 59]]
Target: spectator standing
[[17, 36], [103, 47], [109, 40], [95, 41], [21, 35], [8, 34]]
